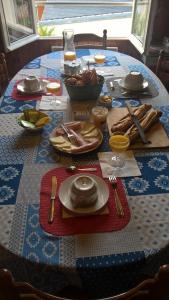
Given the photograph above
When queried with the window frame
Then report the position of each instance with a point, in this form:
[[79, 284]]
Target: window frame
[[24, 40], [143, 46]]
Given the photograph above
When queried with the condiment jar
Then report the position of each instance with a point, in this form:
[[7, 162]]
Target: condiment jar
[[99, 115]]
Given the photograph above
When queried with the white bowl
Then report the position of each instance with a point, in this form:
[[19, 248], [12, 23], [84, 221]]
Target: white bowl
[[83, 192], [134, 79]]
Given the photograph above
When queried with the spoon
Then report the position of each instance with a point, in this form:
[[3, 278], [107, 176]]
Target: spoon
[[73, 168]]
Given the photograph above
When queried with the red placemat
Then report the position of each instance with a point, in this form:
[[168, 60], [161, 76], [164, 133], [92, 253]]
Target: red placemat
[[80, 225], [18, 96]]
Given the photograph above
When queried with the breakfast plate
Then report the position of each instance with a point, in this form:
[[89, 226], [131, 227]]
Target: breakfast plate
[[135, 89], [65, 195], [21, 88], [87, 131]]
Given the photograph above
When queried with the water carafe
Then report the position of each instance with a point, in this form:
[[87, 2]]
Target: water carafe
[[69, 47]]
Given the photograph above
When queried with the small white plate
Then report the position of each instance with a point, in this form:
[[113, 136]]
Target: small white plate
[[103, 195], [142, 88], [21, 88]]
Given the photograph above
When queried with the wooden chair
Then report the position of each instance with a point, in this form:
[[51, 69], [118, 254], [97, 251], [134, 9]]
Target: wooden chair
[[162, 69], [4, 78], [156, 288], [90, 40]]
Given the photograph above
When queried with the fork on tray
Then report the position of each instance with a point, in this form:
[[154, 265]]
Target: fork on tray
[[119, 207], [70, 136]]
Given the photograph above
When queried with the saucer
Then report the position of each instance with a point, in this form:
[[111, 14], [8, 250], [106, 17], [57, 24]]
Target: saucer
[[21, 88], [65, 190], [142, 88]]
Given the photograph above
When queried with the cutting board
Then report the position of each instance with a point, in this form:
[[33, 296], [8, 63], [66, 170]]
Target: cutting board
[[156, 134]]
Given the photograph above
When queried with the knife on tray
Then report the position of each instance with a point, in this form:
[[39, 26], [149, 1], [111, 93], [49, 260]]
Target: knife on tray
[[52, 200], [137, 124]]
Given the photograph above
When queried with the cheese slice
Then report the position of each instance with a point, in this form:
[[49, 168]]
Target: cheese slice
[[58, 140], [91, 134], [87, 127]]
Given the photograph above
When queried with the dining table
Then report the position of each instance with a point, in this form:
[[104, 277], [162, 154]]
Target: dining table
[[103, 254]]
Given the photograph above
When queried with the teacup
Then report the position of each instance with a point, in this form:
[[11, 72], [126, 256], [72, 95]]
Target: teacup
[[83, 191], [31, 83], [134, 80]]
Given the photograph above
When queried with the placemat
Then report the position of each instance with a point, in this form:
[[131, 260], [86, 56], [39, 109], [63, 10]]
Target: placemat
[[150, 92], [18, 96], [80, 225]]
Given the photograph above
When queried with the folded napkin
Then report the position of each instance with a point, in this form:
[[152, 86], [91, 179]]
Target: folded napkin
[[129, 169], [53, 103], [117, 71]]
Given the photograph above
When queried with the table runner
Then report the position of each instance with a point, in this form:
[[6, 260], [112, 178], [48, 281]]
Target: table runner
[[80, 225]]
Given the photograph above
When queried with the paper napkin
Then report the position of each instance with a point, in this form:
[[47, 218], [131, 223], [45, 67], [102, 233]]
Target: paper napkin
[[53, 103], [130, 167]]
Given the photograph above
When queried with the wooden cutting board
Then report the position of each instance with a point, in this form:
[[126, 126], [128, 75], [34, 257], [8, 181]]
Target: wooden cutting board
[[156, 134]]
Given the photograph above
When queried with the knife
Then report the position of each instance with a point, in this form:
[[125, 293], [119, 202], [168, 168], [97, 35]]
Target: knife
[[52, 200], [137, 124]]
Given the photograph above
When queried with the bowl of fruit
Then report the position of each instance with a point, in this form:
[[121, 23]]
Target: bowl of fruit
[[85, 86], [33, 120]]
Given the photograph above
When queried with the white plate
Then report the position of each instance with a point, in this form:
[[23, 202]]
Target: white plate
[[21, 88], [143, 87], [100, 139], [103, 195]]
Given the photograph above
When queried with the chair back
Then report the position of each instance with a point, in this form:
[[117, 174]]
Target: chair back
[[90, 40], [4, 78], [11, 290], [156, 288], [162, 69]]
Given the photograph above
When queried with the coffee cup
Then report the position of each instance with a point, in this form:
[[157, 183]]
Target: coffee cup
[[134, 80], [31, 83], [83, 191]]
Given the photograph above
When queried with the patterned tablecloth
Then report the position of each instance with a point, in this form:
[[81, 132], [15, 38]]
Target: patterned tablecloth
[[103, 263]]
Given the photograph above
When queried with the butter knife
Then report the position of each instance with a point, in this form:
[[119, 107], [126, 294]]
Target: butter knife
[[52, 200], [137, 124]]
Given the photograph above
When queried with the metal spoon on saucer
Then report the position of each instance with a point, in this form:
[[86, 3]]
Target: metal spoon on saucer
[[73, 168]]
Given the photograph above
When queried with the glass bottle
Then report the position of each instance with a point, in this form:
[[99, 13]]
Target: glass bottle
[[69, 47]]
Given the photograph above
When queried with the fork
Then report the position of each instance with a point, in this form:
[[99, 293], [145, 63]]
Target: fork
[[119, 208], [70, 136]]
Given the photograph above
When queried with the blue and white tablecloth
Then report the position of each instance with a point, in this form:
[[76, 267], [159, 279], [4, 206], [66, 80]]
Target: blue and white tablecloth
[[105, 263]]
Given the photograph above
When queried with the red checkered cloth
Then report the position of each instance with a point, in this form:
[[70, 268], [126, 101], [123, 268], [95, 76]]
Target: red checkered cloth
[[18, 96], [80, 224]]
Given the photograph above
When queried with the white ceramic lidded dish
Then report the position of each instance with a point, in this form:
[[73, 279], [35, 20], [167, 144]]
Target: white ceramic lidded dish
[[65, 195], [32, 83], [134, 81], [83, 192]]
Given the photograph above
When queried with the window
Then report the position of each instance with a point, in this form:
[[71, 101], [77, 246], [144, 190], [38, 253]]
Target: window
[[18, 18], [143, 16]]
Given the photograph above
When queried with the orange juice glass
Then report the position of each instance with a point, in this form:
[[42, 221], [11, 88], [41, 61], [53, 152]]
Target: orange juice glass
[[69, 56], [118, 143], [99, 58]]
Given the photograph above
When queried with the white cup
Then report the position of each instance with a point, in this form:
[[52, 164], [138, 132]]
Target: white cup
[[83, 191], [32, 83], [134, 80]]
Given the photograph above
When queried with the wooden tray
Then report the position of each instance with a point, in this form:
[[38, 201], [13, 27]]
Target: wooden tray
[[156, 134]]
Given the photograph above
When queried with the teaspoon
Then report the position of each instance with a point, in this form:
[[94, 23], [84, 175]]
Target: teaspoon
[[73, 168]]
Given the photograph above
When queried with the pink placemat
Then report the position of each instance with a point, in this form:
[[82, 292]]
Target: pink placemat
[[80, 224], [18, 96]]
